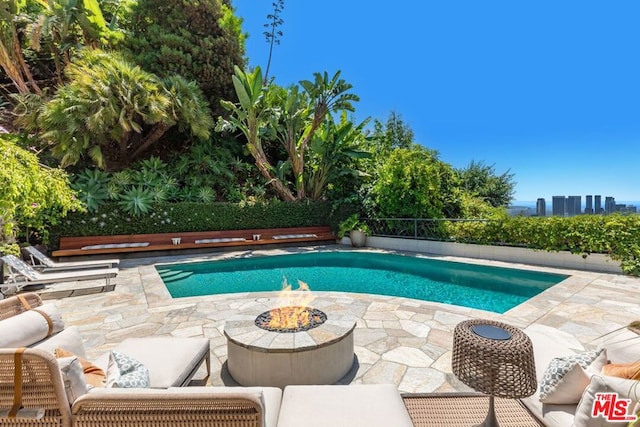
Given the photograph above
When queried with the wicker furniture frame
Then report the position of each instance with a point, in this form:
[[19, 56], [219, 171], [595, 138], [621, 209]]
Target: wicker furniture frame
[[171, 408], [464, 410], [42, 388], [12, 306]]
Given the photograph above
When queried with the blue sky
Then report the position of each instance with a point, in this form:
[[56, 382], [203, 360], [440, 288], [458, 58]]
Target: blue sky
[[548, 89]]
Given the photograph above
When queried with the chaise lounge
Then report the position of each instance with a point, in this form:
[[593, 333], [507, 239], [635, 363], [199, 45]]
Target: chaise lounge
[[20, 269], [42, 262]]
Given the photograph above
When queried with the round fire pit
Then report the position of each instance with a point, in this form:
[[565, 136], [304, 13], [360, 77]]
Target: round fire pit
[[318, 352]]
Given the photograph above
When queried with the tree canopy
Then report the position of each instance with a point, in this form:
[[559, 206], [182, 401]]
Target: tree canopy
[[482, 181], [198, 40], [414, 183]]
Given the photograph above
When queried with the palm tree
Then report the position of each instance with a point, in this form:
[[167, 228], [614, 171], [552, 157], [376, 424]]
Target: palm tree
[[325, 96], [251, 116], [293, 120], [115, 111]]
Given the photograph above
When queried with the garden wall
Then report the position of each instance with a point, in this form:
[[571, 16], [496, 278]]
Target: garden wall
[[593, 262]]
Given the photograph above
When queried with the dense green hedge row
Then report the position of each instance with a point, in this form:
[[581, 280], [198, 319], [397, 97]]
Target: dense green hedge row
[[615, 235], [176, 217]]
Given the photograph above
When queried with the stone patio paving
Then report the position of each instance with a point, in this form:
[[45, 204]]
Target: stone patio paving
[[397, 340]]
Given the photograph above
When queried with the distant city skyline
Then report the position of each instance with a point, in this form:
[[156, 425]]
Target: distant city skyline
[[573, 205], [481, 81]]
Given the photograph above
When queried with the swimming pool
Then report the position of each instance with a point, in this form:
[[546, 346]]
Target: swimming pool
[[494, 289]]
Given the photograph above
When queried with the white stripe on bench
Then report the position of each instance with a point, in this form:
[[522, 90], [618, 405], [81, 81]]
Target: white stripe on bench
[[222, 239], [293, 236], [116, 245]]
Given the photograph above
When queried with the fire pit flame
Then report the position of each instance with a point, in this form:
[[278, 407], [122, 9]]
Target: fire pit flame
[[291, 319]]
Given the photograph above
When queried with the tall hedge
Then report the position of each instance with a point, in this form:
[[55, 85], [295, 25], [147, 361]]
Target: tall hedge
[[185, 217]]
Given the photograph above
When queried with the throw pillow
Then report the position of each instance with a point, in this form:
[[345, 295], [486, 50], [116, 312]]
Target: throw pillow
[[566, 378], [72, 377], [629, 371], [126, 372], [94, 376], [626, 389]]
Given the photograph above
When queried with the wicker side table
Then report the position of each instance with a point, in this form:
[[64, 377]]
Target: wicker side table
[[494, 358]]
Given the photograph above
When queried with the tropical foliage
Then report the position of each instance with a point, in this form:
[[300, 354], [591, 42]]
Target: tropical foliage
[[208, 172], [143, 108], [63, 27], [113, 111], [12, 22], [291, 118], [31, 196]]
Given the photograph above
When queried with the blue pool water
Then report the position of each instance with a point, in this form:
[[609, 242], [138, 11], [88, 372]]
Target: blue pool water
[[488, 288]]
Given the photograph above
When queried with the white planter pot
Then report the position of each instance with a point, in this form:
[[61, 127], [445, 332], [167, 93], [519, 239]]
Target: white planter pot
[[358, 238]]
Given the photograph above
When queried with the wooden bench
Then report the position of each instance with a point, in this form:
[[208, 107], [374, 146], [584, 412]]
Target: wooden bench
[[95, 245]]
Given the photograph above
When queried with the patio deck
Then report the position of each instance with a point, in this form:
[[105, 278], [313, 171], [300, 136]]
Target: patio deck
[[397, 340]]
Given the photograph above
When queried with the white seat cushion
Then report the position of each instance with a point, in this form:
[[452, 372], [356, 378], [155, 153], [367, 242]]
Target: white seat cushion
[[68, 339], [171, 361], [622, 346], [371, 405]]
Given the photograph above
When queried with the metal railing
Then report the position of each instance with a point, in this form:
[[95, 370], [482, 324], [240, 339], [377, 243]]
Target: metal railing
[[416, 228]]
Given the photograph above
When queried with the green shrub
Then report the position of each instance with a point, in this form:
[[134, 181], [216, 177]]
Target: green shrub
[[110, 219], [615, 235], [9, 249]]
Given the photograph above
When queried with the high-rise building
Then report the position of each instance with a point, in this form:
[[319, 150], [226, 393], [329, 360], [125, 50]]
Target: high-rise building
[[609, 205], [589, 208], [559, 205], [597, 208], [541, 207], [574, 205]]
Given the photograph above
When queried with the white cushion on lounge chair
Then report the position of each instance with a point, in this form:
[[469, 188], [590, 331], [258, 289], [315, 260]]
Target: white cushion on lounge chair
[[221, 239], [293, 236], [270, 397]]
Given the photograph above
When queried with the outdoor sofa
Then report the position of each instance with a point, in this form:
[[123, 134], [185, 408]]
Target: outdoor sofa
[[43, 396], [574, 394], [46, 397]]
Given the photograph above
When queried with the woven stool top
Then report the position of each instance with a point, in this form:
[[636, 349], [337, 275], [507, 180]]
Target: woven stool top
[[499, 366]]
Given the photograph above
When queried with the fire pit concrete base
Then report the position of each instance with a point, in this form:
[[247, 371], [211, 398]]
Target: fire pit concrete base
[[257, 357]]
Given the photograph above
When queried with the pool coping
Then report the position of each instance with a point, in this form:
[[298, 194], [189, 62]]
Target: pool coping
[[157, 293], [340, 249]]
